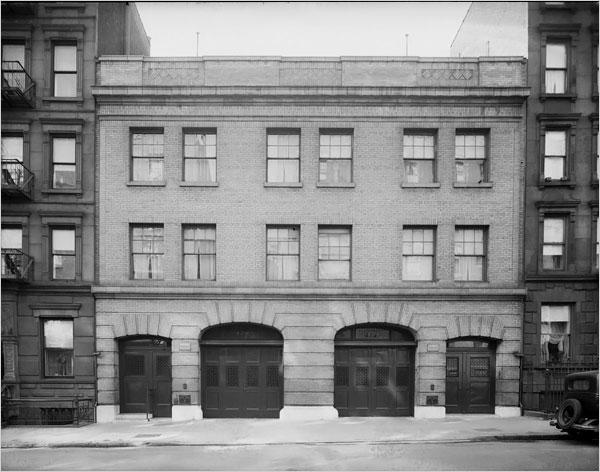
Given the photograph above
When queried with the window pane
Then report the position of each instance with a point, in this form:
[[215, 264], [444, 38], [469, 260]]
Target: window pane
[[554, 168], [12, 238], [12, 147], [65, 85], [417, 268], [336, 171], [58, 334], [207, 267], [555, 81], [469, 171], [556, 56], [58, 363], [64, 176], [282, 170], [65, 58], [556, 143], [14, 52], [63, 240], [554, 230], [63, 150], [555, 313], [334, 270], [418, 171], [468, 268], [63, 267], [190, 267], [200, 170]]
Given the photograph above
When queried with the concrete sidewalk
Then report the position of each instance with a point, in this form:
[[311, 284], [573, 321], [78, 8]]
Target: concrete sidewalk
[[232, 432]]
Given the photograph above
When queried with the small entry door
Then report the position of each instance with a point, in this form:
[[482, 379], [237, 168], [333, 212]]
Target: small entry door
[[145, 376], [470, 377]]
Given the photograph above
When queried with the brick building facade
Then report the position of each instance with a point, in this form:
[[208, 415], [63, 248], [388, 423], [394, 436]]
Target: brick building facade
[[48, 200], [309, 236]]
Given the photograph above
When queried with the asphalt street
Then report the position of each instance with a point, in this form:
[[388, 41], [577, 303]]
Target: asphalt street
[[528, 455]]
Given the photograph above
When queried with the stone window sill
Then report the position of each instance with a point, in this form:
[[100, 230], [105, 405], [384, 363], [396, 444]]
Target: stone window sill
[[283, 184], [160, 183], [63, 99], [324, 185], [421, 185], [558, 96], [473, 185], [556, 183], [198, 184], [58, 191]]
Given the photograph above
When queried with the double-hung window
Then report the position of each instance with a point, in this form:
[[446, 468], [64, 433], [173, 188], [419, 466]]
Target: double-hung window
[[283, 156], [419, 158], [469, 253], [553, 243], [283, 252], [556, 68], [418, 251], [471, 157], [64, 174], [199, 252], [147, 156], [555, 154], [65, 70], [147, 251], [63, 253], [335, 157], [58, 348], [334, 252], [555, 331], [200, 156], [12, 160]]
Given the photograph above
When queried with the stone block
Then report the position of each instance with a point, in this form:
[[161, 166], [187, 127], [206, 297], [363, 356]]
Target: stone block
[[308, 398]]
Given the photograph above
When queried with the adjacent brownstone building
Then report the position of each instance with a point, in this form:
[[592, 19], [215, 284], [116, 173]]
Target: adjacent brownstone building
[[310, 237], [48, 200]]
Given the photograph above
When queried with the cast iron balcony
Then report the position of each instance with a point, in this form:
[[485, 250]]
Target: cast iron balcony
[[16, 265], [17, 180], [18, 88]]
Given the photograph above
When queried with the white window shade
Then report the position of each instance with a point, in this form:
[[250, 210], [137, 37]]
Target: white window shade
[[555, 313]]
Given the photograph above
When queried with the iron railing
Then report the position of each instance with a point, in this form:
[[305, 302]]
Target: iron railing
[[16, 265], [75, 411], [543, 384], [18, 87], [16, 177]]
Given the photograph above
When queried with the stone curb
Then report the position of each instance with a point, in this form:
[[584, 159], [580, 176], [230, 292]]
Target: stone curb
[[120, 444]]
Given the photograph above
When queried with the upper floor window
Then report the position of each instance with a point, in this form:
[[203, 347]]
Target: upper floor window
[[334, 252], [58, 348], [147, 251], [147, 155], [555, 331], [200, 156], [283, 156], [471, 156], [556, 68], [63, 163], [12, 244], [63, 253], [418, 251], [335, 157], [283, 252], [419, 158], [65, 70], [553, 243], [12, 159], [469, 253], [555, 155], [13, 65], [199, 252]]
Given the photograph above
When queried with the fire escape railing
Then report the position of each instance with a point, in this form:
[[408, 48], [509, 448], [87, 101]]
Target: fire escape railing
[[16, 79], [16, 265], [15, 176]]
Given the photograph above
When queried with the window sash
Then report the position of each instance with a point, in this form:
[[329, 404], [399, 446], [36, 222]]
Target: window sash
[[200, 157], [147, 250], [58, 348], [418, 267], [283, 267], [334, 253], [199, 252], [12, 148]]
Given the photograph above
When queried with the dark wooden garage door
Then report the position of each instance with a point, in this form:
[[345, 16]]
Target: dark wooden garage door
[[470, 376], [242, 372], [145, 376], [374, 371]]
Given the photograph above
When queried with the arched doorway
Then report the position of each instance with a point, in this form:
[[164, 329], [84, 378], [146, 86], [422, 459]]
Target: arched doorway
[[470, 375], [374, 371], [145, 375], [242, 371]]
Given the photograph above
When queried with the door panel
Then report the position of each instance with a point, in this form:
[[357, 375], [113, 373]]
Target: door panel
[[145, 377], [242, 381], [470, 381], [373, 381]]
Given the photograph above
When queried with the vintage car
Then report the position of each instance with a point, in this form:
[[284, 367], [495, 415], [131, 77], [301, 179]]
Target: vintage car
[[578, 412]]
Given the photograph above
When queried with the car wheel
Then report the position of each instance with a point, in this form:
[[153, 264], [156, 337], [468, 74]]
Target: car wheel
[[568, 413]]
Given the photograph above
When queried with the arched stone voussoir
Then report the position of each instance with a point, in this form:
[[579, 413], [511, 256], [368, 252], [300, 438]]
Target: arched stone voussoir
[[475, 326]]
